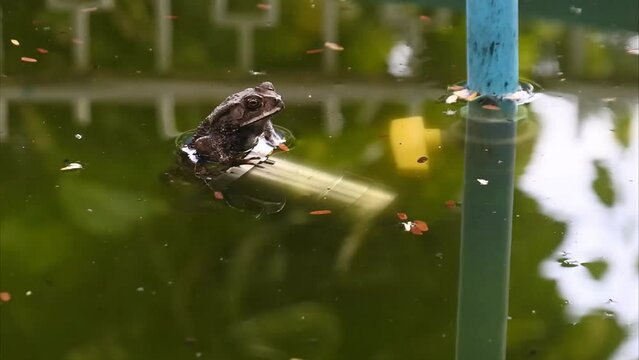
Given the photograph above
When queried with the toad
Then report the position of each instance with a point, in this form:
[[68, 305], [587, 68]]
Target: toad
[[236, 125]]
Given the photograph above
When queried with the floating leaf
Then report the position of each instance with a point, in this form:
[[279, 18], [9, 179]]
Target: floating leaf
[[320, 212], [42, 51], [422, 159], [415, 230], [424, 18], [5, 296], [422, 226], [218, 195], [491, 107], [283, 147], [450, 204], [333, 46], [28, 59], [402, 216], [314, 51], [451, 99], [72, 166], [472, 96]]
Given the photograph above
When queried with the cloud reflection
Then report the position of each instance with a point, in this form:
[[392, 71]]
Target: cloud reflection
[[560, 178]]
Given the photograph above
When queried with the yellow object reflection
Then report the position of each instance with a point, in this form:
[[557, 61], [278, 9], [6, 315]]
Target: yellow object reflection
[[411, 142]]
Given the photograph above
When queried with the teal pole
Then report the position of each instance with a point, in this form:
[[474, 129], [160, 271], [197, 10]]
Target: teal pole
[[491, 46], [489, 162]]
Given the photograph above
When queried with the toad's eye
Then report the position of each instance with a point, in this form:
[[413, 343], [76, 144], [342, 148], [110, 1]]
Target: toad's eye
[[253, 102]]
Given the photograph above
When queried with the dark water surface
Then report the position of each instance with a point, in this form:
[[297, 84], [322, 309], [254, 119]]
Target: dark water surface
[[112, 262]]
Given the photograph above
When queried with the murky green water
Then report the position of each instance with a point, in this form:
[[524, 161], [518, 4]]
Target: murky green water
[[111, 262]]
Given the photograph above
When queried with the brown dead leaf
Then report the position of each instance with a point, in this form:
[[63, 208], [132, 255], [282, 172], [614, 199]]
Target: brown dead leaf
[[415, 230], [218, 195], [283, 147], [422, 159], [450, 204], [42, 50], [472, 96], [422, 226], [5, 296], [402, 216], [320, 212]]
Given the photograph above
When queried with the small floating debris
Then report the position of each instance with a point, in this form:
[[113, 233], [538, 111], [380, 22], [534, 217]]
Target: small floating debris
[[171, 17], [320, 212], [482, 181], [466, 94], [78, 136], [333, 46], [5, 296], [451, 204], [565, 262], [422, 159], [42, 50], [28, 59], [253, 72], [491, 107], [314, 51], [416, 227], [72, 166], [424, 18], [89, 9], [450, 112], [451, 99], [415, 230], [263, 6], [15, 42], [283, 147], [575, 10], [523, 95], [422, 226], [218, 195]]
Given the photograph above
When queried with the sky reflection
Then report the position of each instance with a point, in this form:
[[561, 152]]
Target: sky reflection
[[560, 178]]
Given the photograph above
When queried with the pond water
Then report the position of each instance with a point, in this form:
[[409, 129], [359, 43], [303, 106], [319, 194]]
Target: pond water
[[112, 261]]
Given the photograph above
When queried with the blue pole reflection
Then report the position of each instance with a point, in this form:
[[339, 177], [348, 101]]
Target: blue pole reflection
[[486, 231]]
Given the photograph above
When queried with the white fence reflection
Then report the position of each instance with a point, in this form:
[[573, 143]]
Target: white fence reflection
[[164, 94]]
